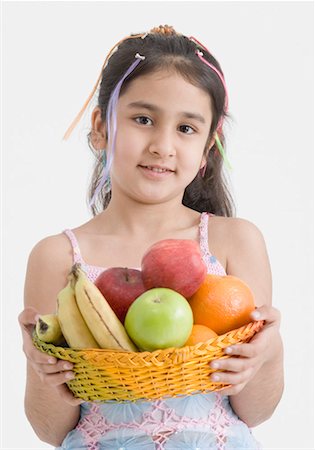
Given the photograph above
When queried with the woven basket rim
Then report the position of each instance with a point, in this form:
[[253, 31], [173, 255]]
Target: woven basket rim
[[105, 375], [243, 330]]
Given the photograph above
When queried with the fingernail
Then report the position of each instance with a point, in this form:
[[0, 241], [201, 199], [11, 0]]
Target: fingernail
[[215, 365], [51, 360], [69, 375], [256, 315], [228, 350], [37, 317], [67, 366], [215, 377]]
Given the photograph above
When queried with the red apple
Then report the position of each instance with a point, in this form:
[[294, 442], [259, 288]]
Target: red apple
[[120, 286], [175, 264]]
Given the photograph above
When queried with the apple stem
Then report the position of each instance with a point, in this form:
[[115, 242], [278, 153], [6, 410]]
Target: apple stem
[[127, 274]]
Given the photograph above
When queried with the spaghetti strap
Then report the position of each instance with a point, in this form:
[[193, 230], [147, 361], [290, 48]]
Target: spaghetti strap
[[212, 263], [77, 257], [91, 271], [203, 233]]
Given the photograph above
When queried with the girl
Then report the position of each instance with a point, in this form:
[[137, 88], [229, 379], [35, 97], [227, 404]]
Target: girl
[[157, 136]]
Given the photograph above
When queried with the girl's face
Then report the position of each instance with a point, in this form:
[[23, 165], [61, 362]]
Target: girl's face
[[163, 124]]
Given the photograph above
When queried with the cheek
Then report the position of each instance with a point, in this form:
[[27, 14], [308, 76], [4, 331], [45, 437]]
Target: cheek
[[129, 141], [193, 157]]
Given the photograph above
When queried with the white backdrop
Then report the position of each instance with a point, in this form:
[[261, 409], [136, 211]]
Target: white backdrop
[[52, 55]]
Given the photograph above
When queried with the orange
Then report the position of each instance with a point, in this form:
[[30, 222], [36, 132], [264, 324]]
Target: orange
[[200, 333], [222, 303]]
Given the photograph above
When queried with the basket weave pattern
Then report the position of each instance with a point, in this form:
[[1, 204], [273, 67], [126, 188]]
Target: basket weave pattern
[[103, 375]]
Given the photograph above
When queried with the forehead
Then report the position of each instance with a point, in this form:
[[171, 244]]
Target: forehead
[[168, 90]]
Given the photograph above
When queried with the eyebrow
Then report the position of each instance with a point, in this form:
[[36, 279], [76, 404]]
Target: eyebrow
[[154, 108]]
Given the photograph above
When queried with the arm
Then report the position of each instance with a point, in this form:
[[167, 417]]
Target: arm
[[257, 400], [49, 405], [256, 373]]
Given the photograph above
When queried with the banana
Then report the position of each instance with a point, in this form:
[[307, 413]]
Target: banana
[[105, 326], [48, 329], [73, 326]]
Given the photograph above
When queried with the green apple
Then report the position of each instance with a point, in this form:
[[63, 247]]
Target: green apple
[[159, 318]]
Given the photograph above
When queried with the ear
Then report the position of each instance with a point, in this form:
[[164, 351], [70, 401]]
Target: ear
[[206, 152], [98, 130]]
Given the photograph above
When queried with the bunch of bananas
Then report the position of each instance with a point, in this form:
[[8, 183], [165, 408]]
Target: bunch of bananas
[[83, 319]]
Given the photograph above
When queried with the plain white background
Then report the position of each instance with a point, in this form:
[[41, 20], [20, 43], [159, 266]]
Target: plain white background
[[52, 55]]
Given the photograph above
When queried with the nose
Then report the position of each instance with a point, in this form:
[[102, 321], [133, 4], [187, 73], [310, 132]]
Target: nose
[[162, 143]]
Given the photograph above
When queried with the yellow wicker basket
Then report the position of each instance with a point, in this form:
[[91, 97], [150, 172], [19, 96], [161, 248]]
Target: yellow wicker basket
[[104, 375]]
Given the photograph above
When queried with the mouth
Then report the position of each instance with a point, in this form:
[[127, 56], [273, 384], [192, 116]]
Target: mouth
[[157, 169]]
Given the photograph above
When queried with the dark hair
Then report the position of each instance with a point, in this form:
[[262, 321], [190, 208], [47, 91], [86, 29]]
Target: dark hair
[[210, 192]]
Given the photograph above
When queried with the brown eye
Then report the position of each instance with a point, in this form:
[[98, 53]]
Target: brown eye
[[143, 120], [186, 129]]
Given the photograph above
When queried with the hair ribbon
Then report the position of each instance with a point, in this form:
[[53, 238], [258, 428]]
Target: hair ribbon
[[226, 102], [81, 112], [111, 126]]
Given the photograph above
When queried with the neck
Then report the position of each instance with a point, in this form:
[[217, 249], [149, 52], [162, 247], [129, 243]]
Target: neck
[[136, 219]]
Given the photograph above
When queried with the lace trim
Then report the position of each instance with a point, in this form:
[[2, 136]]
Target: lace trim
[[159, 423], [213, 265]]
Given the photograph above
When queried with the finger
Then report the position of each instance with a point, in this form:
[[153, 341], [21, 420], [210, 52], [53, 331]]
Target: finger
[[59, 366], [245, 350], [232, 378], [232, 364], [55, 379], [27, 328], [232, 390], [28, 316], [36, 356], [33, 354], [267, 313], [65, 393]]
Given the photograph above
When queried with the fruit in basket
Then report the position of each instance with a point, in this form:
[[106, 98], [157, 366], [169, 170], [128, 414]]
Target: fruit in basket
[[48, 329], [200, 333], [103, 323], [222, 303], [159, 318], [175, 264], [73, 326], [120, 286]]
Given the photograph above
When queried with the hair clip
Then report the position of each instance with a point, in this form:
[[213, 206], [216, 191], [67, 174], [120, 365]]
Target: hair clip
[[167, 30], [80, 113], [192, 38], [138, 56], [219, 74]]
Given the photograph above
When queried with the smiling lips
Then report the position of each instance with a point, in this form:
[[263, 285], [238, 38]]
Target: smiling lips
[[157, 169]]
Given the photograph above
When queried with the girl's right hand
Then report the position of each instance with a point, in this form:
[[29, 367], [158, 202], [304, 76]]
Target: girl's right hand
[[52, 371]]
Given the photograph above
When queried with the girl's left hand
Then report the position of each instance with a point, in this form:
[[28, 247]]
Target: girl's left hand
[[247, 359]]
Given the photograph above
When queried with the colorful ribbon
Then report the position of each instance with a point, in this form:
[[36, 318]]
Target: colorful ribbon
[[111, 124]]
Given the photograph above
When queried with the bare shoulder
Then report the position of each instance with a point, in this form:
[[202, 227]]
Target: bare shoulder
[[235, 231], [52, 251], [244, 252], [47, 269]]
